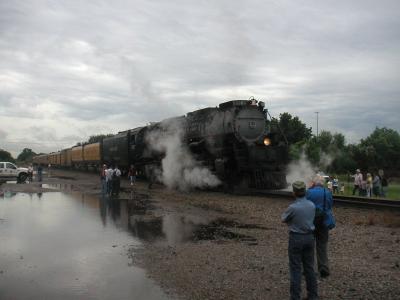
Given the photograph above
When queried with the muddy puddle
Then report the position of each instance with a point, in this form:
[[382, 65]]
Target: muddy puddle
[[68, 246], [145, 223]]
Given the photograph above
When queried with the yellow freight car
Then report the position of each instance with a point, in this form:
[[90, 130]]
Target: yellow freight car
[[77, 155], [57, 159], [91, 153], [68, 161], [65, 158], [41, 159]]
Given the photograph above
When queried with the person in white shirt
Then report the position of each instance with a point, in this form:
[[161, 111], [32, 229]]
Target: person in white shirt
[[358, 179], [116, 181], [109, 175], [30, 173]]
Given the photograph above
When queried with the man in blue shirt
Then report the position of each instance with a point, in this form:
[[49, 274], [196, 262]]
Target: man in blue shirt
[[322, 199], [299, 216]]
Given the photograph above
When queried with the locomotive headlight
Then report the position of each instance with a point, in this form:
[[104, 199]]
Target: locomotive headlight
[[267, 141]]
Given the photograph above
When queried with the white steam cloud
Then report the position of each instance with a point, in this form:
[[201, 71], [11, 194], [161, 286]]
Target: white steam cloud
[[179, 169], [302, 169], [325, 160]]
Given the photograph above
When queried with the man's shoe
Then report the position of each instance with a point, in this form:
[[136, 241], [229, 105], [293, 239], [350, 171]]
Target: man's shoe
[[324, 274]]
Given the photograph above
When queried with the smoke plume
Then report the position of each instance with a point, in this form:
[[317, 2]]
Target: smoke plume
[[302, 169], [179, 169]]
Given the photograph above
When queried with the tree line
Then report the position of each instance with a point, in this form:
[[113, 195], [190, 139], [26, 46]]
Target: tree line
[[379, 150]]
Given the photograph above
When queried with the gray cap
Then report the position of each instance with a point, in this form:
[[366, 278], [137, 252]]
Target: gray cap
[[299, 186]]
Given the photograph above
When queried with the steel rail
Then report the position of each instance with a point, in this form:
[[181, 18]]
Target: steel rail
[[364, 202]]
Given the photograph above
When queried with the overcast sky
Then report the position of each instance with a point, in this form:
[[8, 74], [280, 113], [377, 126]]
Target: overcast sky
[[71, 69]]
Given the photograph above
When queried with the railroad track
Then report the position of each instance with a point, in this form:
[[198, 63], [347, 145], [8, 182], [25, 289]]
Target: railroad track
[[375, 203]]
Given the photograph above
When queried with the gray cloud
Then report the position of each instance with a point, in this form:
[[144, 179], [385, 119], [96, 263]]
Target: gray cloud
[[81, 68]]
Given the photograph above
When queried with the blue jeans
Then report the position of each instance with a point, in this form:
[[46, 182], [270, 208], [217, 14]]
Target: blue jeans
[[301, 254]]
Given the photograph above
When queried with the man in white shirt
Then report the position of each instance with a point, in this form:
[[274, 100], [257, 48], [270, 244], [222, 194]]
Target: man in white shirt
[[358, 179], [109, 175], [116, 181]]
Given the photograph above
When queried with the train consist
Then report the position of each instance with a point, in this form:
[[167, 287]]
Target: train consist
[[235, 141]]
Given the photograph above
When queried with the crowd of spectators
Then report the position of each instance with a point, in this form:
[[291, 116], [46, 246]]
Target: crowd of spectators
[[370, 184]]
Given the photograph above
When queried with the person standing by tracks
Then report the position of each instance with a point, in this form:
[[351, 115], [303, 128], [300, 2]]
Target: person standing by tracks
[[103, 179], [116, 178], [358, 178], [369, 185], [384, 183], [299, 216], [335, 185], [132, 174], [324, 221], [376, 185], [30, 173], [40, 172], [109, 175]]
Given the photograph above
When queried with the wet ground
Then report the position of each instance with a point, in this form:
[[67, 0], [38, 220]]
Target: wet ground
[[60, 240], [69, 246]]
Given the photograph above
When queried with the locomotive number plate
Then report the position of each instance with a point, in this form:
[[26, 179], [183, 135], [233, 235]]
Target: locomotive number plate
[[252, 124]]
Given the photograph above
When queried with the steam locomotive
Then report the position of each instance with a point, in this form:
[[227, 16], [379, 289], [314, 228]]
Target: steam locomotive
[[235, 141]]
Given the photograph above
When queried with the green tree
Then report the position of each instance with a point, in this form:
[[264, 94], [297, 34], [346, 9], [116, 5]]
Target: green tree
[[313, 151], [324, 140], [294, 130], [26, 155], [381, 149], [295, 150], [98, 138], [6, 156], [339, 141]]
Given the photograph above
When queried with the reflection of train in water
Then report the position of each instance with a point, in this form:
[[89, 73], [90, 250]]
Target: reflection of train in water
[[234, 141]]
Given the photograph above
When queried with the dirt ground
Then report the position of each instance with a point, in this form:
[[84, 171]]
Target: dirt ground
[[236, 246]]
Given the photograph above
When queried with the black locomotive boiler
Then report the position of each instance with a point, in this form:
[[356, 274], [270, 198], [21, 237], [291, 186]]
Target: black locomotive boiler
[[234, 140]]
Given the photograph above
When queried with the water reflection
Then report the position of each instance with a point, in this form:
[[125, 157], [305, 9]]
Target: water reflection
[[66, 187], [138, 215], [55, 246]]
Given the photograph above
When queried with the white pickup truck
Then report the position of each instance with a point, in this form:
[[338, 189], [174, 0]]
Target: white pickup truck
[[9, 171]]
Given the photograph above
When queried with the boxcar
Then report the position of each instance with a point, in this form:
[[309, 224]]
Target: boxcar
[[54, 159], [68, 159], [58, 159], [77, 156], [92, 154], [65, 158], [41, 159]]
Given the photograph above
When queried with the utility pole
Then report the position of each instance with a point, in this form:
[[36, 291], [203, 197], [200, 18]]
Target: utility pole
[[317, 112]]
